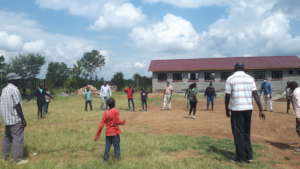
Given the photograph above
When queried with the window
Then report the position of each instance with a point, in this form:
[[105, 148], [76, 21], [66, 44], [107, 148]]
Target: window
[[162, 76], [209, 76], [193, 76], [259, 75], [225, 75], [277, 75], [177, 76], [298, 72], [291, 72]]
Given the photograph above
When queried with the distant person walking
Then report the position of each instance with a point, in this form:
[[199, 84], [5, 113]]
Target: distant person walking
[[210, 94], [240, 88], [144, 98], [105, 93], [40, 94], [295, 99], [13, 119], [193, 100], [88, 97], [167, 96], [187, 99], [288, 95], [48, 98], [129, 91], [110, 119], [266, 90]]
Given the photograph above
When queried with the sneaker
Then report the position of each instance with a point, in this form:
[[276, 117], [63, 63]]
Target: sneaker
[[21, 162], [297, 149], [250, 161], [194, 117]]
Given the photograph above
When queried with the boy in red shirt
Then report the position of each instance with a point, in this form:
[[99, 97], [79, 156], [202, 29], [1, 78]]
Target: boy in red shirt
[[130, 92], [110, 119]]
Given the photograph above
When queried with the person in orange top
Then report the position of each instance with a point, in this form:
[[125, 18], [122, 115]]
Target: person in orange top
[[130, 92], [110, 119]]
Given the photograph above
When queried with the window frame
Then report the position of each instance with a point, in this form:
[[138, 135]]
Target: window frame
[[272, 74], [177, 80], [164, 79]]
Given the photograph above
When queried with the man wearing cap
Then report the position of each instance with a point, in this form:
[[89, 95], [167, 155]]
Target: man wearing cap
[[14, 120], [240, 88]]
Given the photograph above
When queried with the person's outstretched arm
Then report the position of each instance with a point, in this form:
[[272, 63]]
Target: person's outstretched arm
[[257, 100], [227, 100], [100, 127]]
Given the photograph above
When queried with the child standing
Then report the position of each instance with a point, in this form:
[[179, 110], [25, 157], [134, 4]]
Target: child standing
[[130, 92], [144, 97], [110, 119], [88, 99]]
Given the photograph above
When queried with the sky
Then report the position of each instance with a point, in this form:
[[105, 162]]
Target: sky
[[131, 33]]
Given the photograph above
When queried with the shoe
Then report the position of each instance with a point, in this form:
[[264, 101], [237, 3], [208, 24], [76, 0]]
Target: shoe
[[234, 160], [297, 149], [21, 162], [187, 117], [250, 161], [194, 117]]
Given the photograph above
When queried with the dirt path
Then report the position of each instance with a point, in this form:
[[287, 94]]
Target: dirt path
[[277, 132]]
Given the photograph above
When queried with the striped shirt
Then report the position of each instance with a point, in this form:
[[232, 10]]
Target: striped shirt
[[296, 101], [240, 86], [10, 97]]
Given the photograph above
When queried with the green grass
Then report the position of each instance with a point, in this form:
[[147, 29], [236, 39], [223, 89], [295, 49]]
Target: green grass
[[65, 141]]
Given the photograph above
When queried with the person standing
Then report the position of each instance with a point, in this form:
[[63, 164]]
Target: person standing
[[295, 99], [266, 90], [13, 119], [144, 97], [40, 94], [193, 100], [210, 94], [288, 93], [105, 93], [240, 88], [48, 98], [168, 92], [111, 120], [187, 99], [129, 91], [88, 97]]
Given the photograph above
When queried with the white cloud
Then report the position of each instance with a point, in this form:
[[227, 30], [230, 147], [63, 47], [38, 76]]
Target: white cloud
[[20, 34], [10, 42], [173, 34], [116, 15], [105, 14], [290, 7], [139, 65]]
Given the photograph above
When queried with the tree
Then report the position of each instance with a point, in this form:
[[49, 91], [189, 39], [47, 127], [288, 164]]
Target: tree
[[118, 79], [57, 74], [2, 63], [137, 80], [89, 63], [27, 66]]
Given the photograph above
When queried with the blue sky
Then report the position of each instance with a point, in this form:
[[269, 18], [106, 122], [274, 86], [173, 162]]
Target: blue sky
[[131, 33]]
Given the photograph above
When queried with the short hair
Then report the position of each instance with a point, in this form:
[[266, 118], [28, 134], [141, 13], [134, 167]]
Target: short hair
[[292, 85], [111, 103], [192, 85], [239, 66]]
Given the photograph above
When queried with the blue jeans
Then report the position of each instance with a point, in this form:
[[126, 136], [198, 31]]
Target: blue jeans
[[115, 141]]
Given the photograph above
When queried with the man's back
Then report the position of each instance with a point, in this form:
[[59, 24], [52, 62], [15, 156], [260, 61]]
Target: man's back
[[240, 87]]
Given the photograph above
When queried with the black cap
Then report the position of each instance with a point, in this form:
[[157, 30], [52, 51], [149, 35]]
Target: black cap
[[239, 66]]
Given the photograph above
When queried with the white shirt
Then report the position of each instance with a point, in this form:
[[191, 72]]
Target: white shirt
[[169, 90], [105, 91], [296, 101], [240, 86], [10, 97]]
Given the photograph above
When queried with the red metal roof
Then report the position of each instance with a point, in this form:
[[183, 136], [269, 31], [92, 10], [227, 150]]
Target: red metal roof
[[256, 63]]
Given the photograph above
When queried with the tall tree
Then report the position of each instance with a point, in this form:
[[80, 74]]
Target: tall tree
[[137, 80], [90, 62], [2, 63], [27, 66], [118, 79], [57, 74]]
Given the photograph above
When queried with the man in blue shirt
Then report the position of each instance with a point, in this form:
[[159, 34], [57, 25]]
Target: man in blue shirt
[[266, 90]]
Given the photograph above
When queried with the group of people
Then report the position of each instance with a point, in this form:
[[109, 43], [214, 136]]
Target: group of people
[[43, 98], [240, 89]]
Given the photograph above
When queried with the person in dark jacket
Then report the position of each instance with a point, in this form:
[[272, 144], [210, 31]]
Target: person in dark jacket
[[40, 94], [210, 94]]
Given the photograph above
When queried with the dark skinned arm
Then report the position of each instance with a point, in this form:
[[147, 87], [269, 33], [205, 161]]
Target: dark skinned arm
[[257, 100], [21, 114], [227, 100]]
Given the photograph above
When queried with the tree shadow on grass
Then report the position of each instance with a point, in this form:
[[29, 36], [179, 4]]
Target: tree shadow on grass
[[224, 153], [280, 145]]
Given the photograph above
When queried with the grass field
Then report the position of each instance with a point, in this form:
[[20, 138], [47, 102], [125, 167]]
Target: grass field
[[64, 140]]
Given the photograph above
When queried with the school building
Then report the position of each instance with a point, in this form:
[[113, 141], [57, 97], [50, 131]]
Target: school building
[[182, 72]]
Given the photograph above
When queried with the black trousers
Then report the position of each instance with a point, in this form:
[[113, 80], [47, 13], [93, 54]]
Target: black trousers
[[115, 141], [241, 127], [88, 102], [193, 107], [132, 102], [40, 106], [144, 104]]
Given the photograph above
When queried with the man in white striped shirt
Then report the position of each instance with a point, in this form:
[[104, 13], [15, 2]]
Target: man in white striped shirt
[[13, 118], [240, 88]]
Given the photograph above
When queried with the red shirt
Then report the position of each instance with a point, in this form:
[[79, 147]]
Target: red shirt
[[129, 92], [110, 119]]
